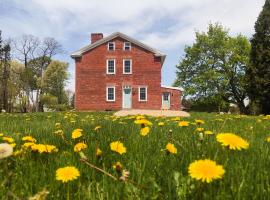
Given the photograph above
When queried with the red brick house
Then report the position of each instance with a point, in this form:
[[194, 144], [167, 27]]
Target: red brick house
[[119, 72]]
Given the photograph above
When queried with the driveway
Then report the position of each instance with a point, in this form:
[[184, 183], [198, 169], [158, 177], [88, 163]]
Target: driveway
[[156, 113]]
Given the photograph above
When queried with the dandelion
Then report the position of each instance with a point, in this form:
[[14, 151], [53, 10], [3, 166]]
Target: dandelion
[[59, 132], [208, 133], [118, 147], [98, 152], [183, 123], [171, 148], [144, 131], [43, 148], [175, 119], [199, 129], [199, 121], [13, 144], [268, 139], [6, 150], [118, 166], [80, 146], [143, 122], [97, 128], [1, 134], [161, 124], [66, 174], [232, 141], [125, 175], [205, 170], [29, 139], [8, 139], [77, 133]]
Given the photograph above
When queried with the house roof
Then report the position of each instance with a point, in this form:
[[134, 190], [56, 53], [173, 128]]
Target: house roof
[[79, 53], [173, 88]]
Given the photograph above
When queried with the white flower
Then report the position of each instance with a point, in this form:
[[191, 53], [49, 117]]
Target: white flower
[[6, 150]]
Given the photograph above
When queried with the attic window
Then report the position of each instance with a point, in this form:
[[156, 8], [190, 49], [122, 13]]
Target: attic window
[[127, 46], [111, 46]]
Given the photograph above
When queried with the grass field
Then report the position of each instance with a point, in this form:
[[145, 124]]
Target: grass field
[[154, 173]]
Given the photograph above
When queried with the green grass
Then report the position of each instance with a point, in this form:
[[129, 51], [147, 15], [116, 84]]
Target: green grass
[[154, 173]]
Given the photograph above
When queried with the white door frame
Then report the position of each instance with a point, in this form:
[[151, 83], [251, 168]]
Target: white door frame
[[169, 100], [123, 95]]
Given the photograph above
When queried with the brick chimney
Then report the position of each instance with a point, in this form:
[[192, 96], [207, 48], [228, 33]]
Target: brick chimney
[[95, 37]]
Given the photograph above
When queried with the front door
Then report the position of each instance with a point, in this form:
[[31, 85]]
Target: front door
[[166, 100], [127, 97]]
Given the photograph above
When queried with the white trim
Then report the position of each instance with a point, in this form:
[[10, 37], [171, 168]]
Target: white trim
[[124, 46], [113, 93], [79, 52], [113, 46], [139, 96], [130, 66], [107, 66], [173, 88]]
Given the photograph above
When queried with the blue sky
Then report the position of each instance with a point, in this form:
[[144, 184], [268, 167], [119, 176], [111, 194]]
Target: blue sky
[[167, 25]]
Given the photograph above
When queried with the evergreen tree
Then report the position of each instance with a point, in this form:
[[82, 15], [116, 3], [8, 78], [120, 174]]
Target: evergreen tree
[[258, 72]]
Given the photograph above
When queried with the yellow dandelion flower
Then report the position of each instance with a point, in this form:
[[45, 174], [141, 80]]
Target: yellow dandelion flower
[[171, 148], [98, 152], [268, 139], [118, 167], [175, 119], [161, 124], [29, 139], [66, 174], [233, 141], [80, 146], [144, 122], [118, 147], [28, 144], [139, 117], [44, 148], [13, 144], [199, 121], [97, 128], [208, 133], [144, 131], [199, 129], [183, 123], [8, 139], [205, 170], [76, 133], [1, 134]]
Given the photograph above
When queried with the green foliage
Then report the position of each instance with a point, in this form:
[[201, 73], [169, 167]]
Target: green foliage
[[154, 173], [209, 104], [258, 73], [215, 66]]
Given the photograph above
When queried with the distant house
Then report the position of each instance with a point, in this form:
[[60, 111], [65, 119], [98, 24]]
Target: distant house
[[119, 72]]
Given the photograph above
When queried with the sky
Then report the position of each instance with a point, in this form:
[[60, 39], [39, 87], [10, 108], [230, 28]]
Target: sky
[[167, 25]]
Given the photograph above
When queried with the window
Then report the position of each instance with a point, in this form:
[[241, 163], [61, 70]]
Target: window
[[110, 93], [166, 96], [111, 46], [127, 46], [142, 93], [127, 66], [111, 66]]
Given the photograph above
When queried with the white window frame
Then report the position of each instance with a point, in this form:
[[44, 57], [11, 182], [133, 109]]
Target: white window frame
[[124, 66], [107, 66], [124, 47], [109, 45], [107, 95], [139, 96]]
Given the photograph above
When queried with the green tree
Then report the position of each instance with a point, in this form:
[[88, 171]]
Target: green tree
[[258, 72], [54, 80], [215, 66]]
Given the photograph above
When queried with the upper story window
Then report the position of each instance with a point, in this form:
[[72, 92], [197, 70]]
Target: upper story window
[[110, 66], [127, 46], [111, 46], [143, 93], [127, 66], [110, 93]]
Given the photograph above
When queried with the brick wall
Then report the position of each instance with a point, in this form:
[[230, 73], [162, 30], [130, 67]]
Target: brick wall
[[175, 98], [91, 77]]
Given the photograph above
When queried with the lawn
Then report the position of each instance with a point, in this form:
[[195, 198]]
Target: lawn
[[154, 172]]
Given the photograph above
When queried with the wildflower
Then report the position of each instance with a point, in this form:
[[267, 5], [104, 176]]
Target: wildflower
[[98, 152], [118, 167], [144, 131], [125, 175], [59, 132], [118, 147], [80, 146], [268, 139], [199, 121], [139, 117], [29, 139], [43, 148], [6, 150], [66, 174], [77, 133], [144, 122], [175, 119], [57, 125], [183, 123], [18, 152], [161, 124], [8, 139], [97, 128], [208, 133], [171, 148], [28, 144], [199, 129], [1, 134], [200, 136], [232, 141], [205, 170], [13, 144]]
